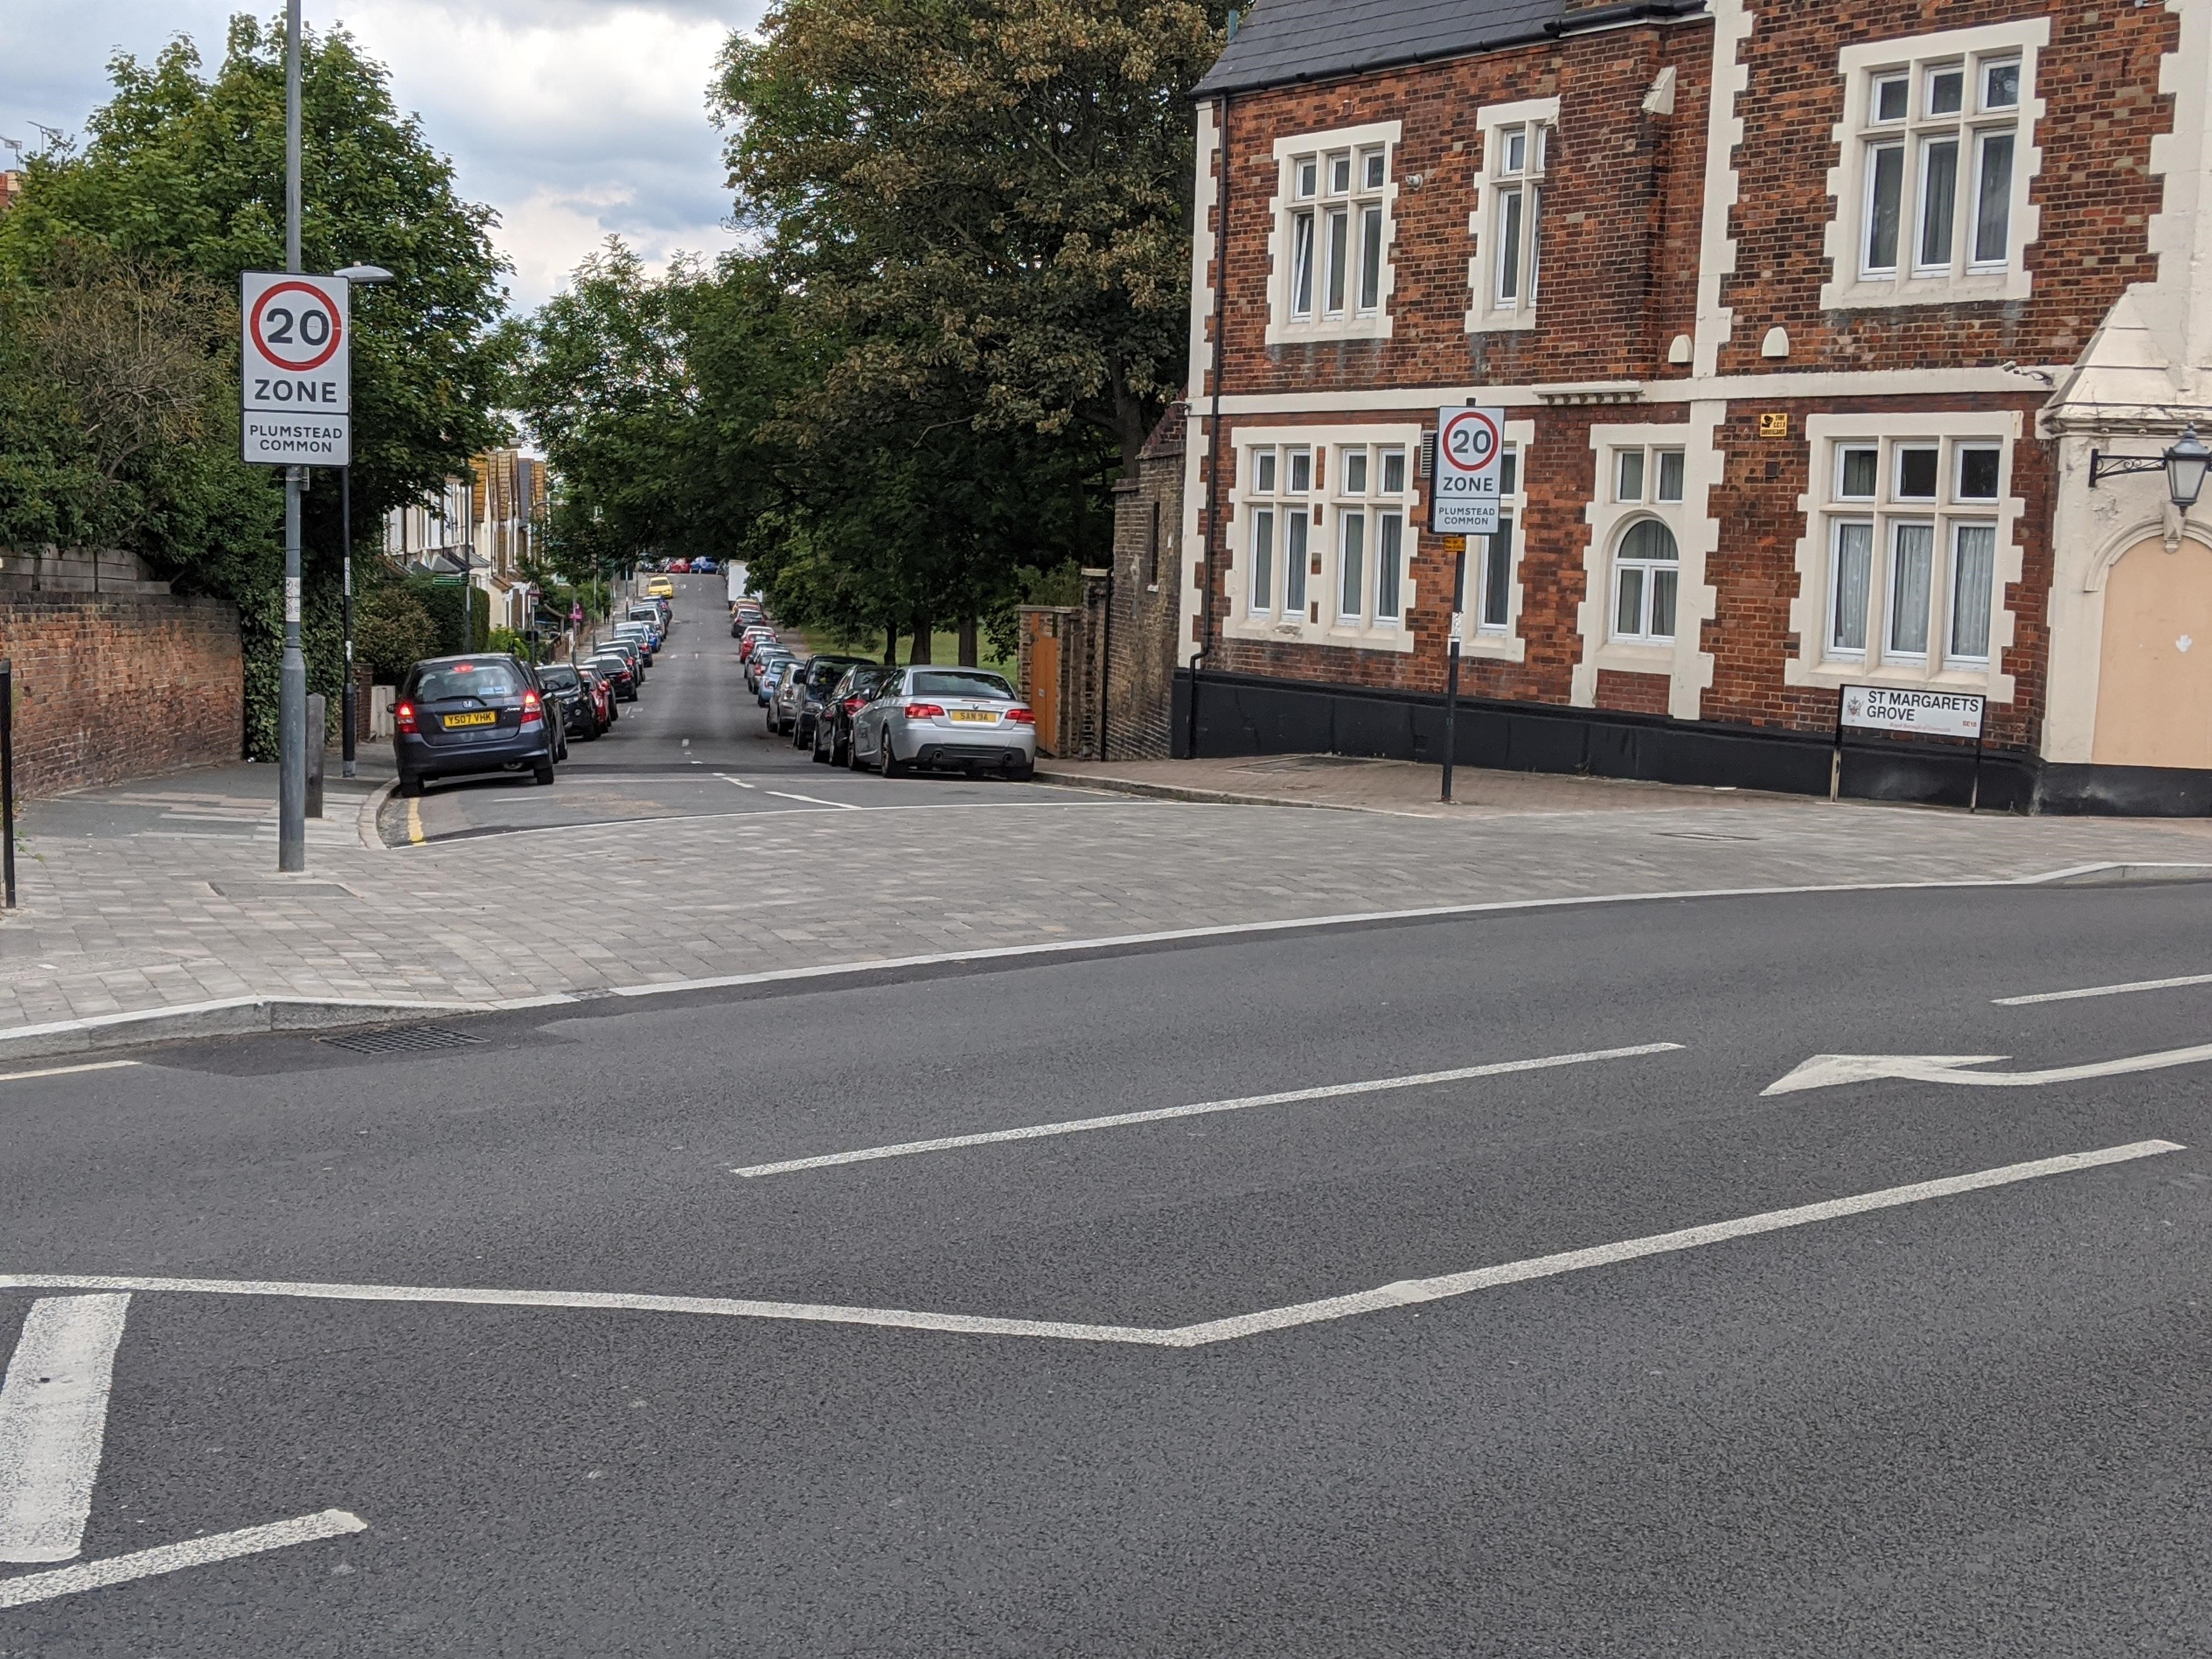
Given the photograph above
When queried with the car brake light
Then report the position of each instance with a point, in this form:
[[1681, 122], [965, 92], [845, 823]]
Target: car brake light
[[530, 702], [533, 712], [1021, 717], [923, 711], [403, 716], [854, 705]]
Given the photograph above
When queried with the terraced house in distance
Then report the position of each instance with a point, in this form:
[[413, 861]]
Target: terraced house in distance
[[1818, 330]]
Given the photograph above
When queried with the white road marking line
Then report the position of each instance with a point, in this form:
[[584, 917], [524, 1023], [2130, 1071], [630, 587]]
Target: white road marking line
[[64, 1071], [1158, 1115], [53, 1419], [727, 778], [2103, 990], [1180, 1336], [786, 794], [1826, 1070], [169, 1557], [1686, 1238]]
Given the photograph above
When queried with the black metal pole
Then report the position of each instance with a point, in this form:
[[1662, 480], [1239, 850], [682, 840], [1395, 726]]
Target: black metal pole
[[8, 779], [1836, 760], [1974, 791], [345, 606], [1451, 669]]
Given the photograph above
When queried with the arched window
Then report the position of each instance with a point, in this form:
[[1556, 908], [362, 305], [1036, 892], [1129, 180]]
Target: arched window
[[1647, 569]]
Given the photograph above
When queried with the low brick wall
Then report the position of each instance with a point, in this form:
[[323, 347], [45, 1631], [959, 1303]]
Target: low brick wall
[[109, 687]]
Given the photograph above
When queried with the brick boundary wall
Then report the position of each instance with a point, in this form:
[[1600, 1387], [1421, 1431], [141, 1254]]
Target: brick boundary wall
[[114, 688], [1146, 598]]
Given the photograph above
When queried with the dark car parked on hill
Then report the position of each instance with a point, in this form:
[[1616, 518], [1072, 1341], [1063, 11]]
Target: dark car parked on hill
[[833, 731], [561, 684], [815, 686], [455, 715]]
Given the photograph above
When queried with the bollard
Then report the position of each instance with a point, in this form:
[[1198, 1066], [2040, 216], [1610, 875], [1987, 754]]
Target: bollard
[[319, 737]]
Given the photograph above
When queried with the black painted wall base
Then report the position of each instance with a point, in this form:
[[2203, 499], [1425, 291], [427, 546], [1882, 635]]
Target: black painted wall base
[[1246, 714]]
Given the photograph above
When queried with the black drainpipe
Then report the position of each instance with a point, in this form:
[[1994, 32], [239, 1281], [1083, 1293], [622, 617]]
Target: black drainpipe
[[1213, 423]]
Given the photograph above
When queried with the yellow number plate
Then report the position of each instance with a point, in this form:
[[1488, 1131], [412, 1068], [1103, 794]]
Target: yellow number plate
[[485, 718], [973, 715]]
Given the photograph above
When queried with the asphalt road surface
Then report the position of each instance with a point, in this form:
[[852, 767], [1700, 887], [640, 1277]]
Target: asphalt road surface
[[541, 1345], [694, 744]]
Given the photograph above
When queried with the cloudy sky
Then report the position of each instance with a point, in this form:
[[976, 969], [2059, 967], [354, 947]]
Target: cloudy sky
[[574, 118]]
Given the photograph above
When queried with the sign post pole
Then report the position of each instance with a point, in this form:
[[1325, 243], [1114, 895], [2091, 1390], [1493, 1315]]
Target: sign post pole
[[1451, 665], [1836, 760], [292, 676], [1463, 490], [7, 781]]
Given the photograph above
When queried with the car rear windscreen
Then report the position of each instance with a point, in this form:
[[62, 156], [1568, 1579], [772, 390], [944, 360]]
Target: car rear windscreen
[[966, 685], [495, 678], [563, 680]]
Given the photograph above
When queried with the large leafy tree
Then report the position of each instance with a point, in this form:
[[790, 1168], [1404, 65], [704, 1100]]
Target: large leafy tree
[[185, 171], [994, 190]]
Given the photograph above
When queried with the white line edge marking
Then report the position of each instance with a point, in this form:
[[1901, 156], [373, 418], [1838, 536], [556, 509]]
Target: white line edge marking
[[726, 778], [1162, 1114], [169, 1557], [2103, 990], [65, 1071], [842, 806], [53, 1421], [1181, 1336]]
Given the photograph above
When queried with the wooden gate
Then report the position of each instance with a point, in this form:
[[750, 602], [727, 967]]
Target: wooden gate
[[1044, 686]]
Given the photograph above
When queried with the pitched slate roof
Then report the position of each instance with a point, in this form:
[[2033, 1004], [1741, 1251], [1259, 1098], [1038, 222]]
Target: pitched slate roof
[[1282, 41]]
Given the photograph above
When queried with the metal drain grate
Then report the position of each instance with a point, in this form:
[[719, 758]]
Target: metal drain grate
[[402, 1039]]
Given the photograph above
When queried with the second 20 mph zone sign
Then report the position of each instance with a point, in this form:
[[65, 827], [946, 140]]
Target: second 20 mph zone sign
[[298, 395], [1463, 488]]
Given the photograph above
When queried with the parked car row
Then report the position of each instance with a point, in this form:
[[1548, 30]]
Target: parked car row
[[490, 711], [850, 711]]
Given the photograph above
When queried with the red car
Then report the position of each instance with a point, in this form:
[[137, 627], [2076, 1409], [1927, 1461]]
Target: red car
[[679, 567]]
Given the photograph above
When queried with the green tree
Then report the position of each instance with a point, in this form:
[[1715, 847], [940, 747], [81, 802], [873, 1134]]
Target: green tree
[[994, 188]]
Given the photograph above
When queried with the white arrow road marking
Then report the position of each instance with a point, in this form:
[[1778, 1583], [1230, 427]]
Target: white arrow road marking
[[1180, 1336], [2103, 990], [1120, 1119], [168, 1558], [1824, 1070], [54, 1419]]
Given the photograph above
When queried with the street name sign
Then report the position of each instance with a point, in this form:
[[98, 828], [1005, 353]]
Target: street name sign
[[1463, 486], [297, 394], [1899, 709]]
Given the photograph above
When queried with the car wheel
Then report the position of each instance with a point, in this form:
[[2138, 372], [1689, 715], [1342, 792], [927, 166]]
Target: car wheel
[[543, 772], [1026, 773], [410, 788], [853, 754], [816, 753], [887, 762]]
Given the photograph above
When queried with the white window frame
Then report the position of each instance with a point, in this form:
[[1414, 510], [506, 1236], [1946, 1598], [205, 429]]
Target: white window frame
[[1859, 136], [1324, 510], [1648, 572], [1497, 185], [1817, 660], [1684, 661], [1296, 217]]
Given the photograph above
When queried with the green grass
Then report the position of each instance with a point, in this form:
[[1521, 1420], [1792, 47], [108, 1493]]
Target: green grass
[[944, 649]]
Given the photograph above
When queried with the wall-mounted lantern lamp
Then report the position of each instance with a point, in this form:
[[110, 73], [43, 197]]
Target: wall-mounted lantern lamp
[[2184, 464]]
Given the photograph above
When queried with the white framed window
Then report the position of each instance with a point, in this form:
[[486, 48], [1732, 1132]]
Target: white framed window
[[1506, 223], [1647, 568], [1320, 532], [1334, 227], [1910, 533], [1936, 154]]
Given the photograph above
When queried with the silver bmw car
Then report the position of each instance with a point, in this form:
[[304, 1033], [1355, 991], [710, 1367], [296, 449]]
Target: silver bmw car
[[946, 717]]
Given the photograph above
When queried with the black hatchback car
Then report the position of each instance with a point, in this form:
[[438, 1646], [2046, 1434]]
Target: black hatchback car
[[580, 716], [474, 713], [833, 728], [820, 677]]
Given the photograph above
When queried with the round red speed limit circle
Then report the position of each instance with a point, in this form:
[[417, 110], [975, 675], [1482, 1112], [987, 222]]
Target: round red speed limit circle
[[1469, 440], [303, 335]]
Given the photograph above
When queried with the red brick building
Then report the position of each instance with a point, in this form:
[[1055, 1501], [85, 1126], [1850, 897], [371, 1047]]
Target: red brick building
[[1806, 321]]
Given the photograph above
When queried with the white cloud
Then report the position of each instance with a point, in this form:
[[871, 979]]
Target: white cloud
[[573, 118]]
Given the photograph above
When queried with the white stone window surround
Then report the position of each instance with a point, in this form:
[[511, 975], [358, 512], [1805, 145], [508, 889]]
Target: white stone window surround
[[1697, 536], [1502, 644], [1282, 328], [1485, 314], [1826, 434], [1325, 507], [1859, 65]]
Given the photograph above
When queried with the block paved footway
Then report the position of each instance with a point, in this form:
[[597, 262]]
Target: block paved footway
[[164, 893]]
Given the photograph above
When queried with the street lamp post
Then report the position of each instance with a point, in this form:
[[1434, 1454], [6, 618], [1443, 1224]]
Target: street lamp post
[[355, 274]]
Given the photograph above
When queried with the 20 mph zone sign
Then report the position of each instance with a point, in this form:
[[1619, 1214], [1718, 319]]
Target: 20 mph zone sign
[[298, 392], [1463, 490]]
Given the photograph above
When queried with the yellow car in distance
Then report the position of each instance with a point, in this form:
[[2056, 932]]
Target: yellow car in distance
[[660, 587]]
